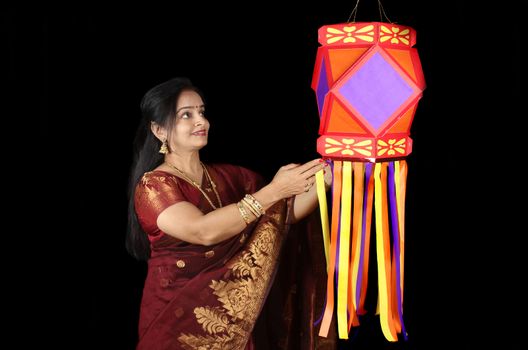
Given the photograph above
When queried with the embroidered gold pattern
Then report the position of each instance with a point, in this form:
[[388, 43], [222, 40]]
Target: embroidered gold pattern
[[151, 188], [241, 293], [213, 320]]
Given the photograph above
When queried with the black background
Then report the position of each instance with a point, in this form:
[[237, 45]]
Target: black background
[[82, 70]]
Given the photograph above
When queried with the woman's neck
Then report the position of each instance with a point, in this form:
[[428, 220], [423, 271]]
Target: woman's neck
[[189, 163]]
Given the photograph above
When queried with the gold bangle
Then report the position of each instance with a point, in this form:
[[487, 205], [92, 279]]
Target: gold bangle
[[243, 213], [251, 207], [256, 203]]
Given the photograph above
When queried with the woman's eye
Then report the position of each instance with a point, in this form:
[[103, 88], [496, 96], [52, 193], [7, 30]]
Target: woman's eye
[[185, 116]]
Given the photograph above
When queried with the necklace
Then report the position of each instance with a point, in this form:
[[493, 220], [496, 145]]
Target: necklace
[[192, 182]]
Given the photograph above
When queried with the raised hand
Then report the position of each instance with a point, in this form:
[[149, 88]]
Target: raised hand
[[294, 179]]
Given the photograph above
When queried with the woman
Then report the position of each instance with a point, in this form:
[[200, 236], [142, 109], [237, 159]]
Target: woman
[[211, 233]]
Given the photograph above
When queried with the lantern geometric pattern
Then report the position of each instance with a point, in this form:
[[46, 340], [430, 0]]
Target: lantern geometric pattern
[[368, 80]]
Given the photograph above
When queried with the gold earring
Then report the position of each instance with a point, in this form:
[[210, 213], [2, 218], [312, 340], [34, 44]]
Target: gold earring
[[164, 149]]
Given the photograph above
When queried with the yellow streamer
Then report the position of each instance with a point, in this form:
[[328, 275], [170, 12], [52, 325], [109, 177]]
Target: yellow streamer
[[344, 244], [323, 209], [336, 202]]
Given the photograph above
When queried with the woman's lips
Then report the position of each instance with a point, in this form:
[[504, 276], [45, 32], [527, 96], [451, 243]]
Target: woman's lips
[[200, 133]]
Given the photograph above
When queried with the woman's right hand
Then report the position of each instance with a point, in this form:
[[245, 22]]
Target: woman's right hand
[[294, 179]]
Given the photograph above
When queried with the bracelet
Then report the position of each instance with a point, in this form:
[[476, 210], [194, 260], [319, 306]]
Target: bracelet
[[255, 203], [251, 208], [243, 213]]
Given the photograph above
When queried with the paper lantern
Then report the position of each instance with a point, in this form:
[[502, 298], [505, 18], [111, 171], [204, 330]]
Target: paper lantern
[[368, 81]]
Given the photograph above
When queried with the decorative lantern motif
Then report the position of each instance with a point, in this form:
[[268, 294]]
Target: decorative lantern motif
[[368, 81]]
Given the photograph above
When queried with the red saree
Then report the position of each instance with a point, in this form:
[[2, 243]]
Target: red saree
[[206, 297]]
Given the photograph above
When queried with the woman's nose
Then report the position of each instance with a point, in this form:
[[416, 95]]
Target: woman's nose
[[200, 120]]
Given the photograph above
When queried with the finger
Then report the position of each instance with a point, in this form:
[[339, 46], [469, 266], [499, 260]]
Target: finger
[[312, 171], [290, 166], [310, 179], [308, 165], [309, 182]]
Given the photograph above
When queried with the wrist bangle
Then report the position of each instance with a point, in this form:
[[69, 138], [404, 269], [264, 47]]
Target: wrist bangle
[[251, 207], [243, 213], [255, 203]]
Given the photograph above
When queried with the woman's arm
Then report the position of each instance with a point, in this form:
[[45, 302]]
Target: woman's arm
[[186, 222]]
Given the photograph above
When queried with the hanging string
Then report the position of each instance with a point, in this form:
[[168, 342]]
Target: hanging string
[[354, 12], [382, 11]]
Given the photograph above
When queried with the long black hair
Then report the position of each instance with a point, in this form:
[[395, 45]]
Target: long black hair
[[158, 105]]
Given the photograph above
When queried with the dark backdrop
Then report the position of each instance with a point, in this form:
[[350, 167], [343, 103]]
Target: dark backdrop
[[87, 67]]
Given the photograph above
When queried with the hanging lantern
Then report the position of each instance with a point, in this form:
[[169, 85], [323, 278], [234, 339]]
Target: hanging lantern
[[368, 81]]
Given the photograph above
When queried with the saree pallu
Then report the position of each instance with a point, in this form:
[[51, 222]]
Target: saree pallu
[[213, 294], [290, 318]]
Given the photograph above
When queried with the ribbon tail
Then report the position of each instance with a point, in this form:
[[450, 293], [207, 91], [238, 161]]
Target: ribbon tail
[[323, 210], [357, 244], [367, 215], [344, 250], [336, 201], [383, 252]]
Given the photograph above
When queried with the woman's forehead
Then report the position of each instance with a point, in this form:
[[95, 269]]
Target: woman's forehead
[[189, 99]]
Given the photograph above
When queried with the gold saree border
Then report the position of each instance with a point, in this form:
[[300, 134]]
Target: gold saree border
[[243, 290]]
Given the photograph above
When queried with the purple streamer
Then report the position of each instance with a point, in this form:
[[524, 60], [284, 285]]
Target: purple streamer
[[316, 323], [359, 282], [396, 242]]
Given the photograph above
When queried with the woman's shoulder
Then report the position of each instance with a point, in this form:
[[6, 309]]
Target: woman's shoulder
[[156, 177]]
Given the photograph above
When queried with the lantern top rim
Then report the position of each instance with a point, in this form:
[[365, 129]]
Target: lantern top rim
[[361, 33]]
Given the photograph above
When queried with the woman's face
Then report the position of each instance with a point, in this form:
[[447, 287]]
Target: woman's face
[[190, 127]]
